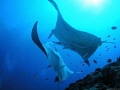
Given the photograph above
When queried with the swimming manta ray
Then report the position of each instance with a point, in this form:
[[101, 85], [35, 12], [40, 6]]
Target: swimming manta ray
[[56, 61], [85, 44]]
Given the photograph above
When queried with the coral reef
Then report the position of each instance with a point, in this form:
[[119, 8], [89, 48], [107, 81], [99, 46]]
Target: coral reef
[[106, 78]]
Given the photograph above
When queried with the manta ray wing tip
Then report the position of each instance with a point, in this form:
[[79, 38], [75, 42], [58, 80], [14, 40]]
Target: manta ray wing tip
[[50, 1]]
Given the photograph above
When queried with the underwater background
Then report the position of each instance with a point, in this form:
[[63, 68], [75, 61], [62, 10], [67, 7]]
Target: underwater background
[[23, 66]]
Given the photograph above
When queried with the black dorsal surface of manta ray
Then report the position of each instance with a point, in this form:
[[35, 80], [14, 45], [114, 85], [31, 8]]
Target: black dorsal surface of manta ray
[[83, 43]]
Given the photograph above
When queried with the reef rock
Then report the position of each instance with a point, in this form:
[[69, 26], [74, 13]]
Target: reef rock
[[106, 78]]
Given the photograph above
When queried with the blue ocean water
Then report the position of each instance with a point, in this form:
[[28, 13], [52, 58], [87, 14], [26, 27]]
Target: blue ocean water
[[23, 66]]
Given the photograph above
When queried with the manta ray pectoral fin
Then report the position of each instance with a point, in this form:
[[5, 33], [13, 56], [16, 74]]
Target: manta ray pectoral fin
[[50, 1], [35, 38], [54, 4], [50, 34], [108, 42], [48, 66], [59, 43]]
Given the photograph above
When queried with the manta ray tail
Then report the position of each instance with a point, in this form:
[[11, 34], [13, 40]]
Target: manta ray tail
[[35, 38], [54, 4], [108, 42]]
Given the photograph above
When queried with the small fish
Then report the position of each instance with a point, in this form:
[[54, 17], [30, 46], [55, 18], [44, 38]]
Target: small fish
[[95, 61], [46, 79], [100, 54], [115, 46], [35, 77], [109, 60], [106, 46], [35, 74], [83, 65], [81, 71], [68, 55], [25, 74], [62, 82], [70, 63], [74, 71], [48, 66], [107, 50], [108, 36], [114, 38], [114, 27]]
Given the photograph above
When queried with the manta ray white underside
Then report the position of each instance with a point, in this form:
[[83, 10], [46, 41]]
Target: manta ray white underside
[[56, 61]]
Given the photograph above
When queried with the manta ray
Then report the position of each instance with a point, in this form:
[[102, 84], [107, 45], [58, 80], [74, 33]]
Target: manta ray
[[83, 43], [56, 61]]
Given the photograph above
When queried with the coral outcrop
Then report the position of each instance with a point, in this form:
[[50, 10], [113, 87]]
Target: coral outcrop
[[105, 78]]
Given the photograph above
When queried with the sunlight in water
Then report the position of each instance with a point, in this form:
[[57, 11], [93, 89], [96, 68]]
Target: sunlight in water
[[93, 5], [93, 2]]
